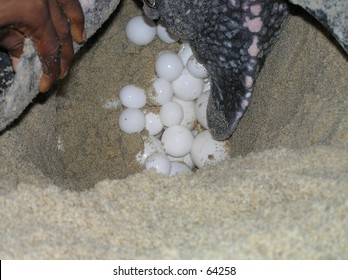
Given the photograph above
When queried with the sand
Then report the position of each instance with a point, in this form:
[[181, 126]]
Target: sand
[[70, 187]]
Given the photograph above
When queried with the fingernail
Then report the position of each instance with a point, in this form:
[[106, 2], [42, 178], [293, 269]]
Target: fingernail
[[45, 83], [63, 75]]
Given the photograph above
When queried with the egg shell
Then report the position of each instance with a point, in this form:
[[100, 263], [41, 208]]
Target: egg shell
[[132, 96], [140, 30], [189, 119], [159, 162], [195, 68], [171, 114], [159, 135], [186, 159], [169, 66], [207, 84], [187, 87], [131, 120], [195, 133], [161, 92], [164, 34], [201, 105], [185, 52], [207, 151], [153, 123], [177, 141], [151, 145], [177, 167]]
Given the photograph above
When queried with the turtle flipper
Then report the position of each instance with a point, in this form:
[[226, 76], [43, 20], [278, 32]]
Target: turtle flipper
[[230, 38], [227, 104], [232, 45]]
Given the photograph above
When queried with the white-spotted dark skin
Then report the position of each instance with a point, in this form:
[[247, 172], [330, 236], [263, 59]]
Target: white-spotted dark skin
[[230, 38]]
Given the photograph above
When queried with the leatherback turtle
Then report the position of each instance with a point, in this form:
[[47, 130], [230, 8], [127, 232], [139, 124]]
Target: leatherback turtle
[[230, 38]]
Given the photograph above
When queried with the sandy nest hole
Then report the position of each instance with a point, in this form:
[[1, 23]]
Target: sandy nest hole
[[71, 137]]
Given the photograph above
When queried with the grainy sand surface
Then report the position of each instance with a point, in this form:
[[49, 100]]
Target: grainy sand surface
[[284, 194]]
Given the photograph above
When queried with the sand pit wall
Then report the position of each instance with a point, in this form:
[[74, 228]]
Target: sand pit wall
[[70, 137], [283, 195]]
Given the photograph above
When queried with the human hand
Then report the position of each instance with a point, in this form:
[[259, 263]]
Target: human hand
[[51, 24]]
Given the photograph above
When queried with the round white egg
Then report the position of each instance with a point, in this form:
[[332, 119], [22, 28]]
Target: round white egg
[[201, 109], [169, 66], [159, 135], [177, 141], [196, 69], [131, 120], [162, 92], [132, 97], [185, 52], [151, 145], [188, 107], [164, 34], [207, 84], [140, 30], [186, 159], [187, 87], [153, 123], [159, 162], [178, 167], [207, 151], [171, 114]]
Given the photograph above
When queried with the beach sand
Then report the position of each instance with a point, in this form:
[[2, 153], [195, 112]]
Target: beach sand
[[70, 186]]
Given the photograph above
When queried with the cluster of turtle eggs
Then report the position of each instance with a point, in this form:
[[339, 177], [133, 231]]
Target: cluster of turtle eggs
[[176, 102]]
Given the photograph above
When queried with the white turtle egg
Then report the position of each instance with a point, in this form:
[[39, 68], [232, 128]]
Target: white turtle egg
[[140, 30], [177, 141], [207, 84], [187, 87], [132, 97], [195, 133], [206, 150], [169, 66], [196, 69], [153, 123], [164, 34], [201, 109], [178, 167], [159, 135], [159, 162], [188, 107], [186, 159], [162, 92], [151, 145], [185, 52], [131, 120], [171, 114]]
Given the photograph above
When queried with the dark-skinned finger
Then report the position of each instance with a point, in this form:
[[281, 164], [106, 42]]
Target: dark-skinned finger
[[73, 10], [15, 62], [12, 40], [61, 25], [34, 20], [47, 44]]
